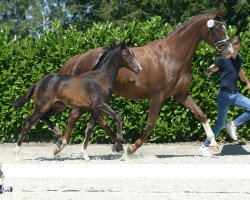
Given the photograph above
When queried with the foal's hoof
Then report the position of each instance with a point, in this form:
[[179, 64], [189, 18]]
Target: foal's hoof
[[56, 150], [57, 147], [117, 148], [214, 149], [130, 149]]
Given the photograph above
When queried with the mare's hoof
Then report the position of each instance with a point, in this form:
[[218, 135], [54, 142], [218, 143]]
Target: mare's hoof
[[214, 149], [117, 148], [130, 149]]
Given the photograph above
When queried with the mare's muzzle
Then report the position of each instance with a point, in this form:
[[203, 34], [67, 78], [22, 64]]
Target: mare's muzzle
[[219, 45]]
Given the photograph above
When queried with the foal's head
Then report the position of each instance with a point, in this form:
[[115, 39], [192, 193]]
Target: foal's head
[[128, 59], [217, 34], [122, 56]]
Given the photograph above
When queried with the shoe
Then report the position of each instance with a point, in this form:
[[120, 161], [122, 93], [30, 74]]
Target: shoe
[[205, 151], [231, 128]]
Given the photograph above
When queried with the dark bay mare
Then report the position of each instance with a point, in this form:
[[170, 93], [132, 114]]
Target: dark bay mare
[[91, 91], [166, 72]]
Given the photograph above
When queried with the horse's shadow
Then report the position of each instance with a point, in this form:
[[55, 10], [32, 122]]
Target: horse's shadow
[[67, 158], [227, 150], [233, 150], [173, 156]]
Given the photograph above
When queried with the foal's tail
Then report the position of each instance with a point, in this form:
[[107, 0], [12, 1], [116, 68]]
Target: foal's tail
[[23, 99]]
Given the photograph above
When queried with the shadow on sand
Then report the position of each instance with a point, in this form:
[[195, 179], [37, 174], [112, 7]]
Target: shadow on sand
[[97, 157], [174, 156], [233, 150]]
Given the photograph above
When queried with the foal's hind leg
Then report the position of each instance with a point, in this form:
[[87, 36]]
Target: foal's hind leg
[[189, 103], [88, 132], [27, 125], [75, 114], [55, 109], [54, 128]]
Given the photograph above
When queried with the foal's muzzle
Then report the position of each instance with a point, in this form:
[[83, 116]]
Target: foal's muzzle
[[137, 70]]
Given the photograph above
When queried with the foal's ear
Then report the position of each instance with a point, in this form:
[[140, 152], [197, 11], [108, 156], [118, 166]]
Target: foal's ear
[[129, 43], [123, 45]]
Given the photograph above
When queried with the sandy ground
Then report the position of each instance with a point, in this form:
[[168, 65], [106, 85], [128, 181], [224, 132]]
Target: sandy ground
[[127, 188]]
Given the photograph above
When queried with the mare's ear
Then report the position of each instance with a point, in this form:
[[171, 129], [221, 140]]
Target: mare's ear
[[219, 15]]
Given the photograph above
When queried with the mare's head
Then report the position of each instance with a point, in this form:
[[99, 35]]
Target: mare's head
[[216, 34], [128, 59]]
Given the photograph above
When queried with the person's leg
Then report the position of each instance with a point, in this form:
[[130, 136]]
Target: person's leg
[[223, 105], [242, 102]]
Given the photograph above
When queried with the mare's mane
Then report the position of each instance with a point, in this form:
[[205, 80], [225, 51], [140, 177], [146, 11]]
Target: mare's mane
[[181, 27]]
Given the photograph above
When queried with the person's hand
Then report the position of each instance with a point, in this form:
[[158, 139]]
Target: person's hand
[[208, 72]]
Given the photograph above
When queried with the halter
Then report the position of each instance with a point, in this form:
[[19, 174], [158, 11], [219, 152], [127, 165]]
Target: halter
[[218, 44]]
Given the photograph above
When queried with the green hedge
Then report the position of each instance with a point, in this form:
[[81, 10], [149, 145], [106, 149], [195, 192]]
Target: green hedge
[[24, 61]]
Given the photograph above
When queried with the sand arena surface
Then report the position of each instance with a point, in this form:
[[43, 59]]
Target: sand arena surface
[[156, 157]]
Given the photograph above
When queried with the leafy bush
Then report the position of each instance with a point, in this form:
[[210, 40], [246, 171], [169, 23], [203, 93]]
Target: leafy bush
[[24, 61]]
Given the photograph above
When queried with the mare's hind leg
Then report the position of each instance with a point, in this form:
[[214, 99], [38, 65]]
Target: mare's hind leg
[[75, 114], [188, 102], [27, 125], [154, 109], [108, 130], [88, 132]]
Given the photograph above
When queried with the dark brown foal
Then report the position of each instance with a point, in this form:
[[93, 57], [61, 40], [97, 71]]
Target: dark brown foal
[[87, 92]]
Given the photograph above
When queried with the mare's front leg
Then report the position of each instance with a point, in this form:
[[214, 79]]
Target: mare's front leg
[[75, 114], [154, 109], [105, 108], [188, 102], [88, 131]]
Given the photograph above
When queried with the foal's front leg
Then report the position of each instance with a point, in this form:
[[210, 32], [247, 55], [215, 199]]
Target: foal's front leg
[[105, 108]]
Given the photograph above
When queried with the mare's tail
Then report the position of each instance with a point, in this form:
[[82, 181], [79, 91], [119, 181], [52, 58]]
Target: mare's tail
[[23, 99]]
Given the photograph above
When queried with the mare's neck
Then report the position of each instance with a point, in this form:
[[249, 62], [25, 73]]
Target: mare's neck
[[187, 40]]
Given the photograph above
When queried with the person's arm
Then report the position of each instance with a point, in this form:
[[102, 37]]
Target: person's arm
[[211, 69], [244, 78]]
